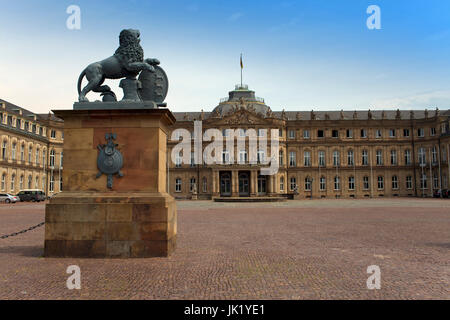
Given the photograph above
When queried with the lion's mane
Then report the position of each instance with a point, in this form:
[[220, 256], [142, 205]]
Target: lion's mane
[[129, 50]]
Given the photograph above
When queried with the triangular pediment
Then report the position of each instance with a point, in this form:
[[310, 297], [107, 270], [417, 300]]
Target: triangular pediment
[[240, 116]]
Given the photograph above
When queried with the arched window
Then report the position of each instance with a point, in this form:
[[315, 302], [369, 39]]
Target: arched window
[[380, 181], [351, 183], [337, 183], [322, 184], [4, 144], [37, 155], [13, 182], [308, 183], [13, 151], [30, 153], [178, 185], [29, 182], [3, 181], [22, 152], [44, 154]]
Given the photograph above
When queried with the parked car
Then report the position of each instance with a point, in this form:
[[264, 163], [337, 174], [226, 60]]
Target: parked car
[[8, 198], [437, 193], [31, 195]]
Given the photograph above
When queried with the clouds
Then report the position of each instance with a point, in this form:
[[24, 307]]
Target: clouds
[[434, 99]]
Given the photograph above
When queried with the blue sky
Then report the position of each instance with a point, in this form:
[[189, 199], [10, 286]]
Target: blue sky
[[298, 55]]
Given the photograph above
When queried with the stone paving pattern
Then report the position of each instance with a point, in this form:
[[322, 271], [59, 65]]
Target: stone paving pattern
[[310, 249]]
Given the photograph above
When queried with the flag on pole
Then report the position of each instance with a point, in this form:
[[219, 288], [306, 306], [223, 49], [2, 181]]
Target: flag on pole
[[242, 65]]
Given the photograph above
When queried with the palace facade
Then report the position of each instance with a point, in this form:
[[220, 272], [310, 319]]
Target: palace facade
[[31, 150], [322, 154]]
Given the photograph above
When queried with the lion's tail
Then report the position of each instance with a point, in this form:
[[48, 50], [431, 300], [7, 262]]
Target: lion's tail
[[80, 79]]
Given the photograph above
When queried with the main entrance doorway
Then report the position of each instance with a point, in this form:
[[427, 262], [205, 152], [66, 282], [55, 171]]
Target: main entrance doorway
[[262, 185], [225, 184], [244, 180]]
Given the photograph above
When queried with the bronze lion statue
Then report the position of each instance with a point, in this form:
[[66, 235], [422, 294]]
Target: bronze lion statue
[[127, 62]]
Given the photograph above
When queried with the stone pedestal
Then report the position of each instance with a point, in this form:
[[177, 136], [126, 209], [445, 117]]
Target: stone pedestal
[[136, 217]]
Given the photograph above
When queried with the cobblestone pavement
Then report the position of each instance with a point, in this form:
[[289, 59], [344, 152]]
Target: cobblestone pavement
[[307, 249]]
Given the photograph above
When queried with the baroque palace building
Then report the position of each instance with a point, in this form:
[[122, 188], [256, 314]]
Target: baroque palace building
[[322, 154], [31, 150]]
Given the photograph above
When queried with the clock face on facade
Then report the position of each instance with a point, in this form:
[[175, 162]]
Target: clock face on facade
[[154, 85]]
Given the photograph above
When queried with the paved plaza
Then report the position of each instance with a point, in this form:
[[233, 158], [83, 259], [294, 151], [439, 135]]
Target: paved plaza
[[308, 249]]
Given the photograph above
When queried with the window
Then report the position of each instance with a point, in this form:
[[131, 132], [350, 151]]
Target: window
[[351, 183], [9, 120], [36, 183], [178, 185], [4, 150], [308, 183], [408, 182], [243, 158], [205, 184], [60, 183], [192, 159], [350, 158], [19, 123], [281, 155], [43, 183], [407, 157], [292, 160], [22, 152], [307, 159], [379, 157], [261, 132], [322, 184], [349, 133], [363, 133], [337, 185], [293, 183], [44, 157], [30, 153], [444, 181], [280, 133], [380, 181], [320, 134], [435, 181], [394, 182], [37, 155], [192, 184], [406, 132], [21, 183], [261, 156], [366, 183], [52, 158], [393, 157], [322, 158], [420, 132], [178, 159], [365, 158], [434, 155], [61, 154], [392, 133], [422, 157], [335, 134], [423, 181], [378, 133], [53, 134], [26, 126], [281, 183], [13, 182], [226, 157], [306, 134], [291, 134], [13, 151], [432, 131], [52, 183], [3, 181], [30, 180], [336, 158]]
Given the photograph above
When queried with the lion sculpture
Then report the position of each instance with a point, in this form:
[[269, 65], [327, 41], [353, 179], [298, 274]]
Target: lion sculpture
[[127, 62]]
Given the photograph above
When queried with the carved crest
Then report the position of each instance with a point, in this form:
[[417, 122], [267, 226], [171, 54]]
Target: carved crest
[[109, 160]]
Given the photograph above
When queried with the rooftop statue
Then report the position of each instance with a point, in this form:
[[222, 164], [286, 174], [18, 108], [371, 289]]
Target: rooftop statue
[[127, 62]]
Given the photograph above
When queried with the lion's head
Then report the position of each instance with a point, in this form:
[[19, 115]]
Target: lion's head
[[130, 49]]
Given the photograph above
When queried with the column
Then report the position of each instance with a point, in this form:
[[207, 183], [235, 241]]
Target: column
[[253, 190]]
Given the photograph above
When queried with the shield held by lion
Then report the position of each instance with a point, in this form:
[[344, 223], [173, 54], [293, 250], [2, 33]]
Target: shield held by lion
[[127, 62]]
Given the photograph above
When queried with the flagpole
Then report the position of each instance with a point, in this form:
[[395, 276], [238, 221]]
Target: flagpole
[[241, 70]]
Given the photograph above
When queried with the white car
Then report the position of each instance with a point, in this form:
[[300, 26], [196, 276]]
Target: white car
[[8, 198]]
